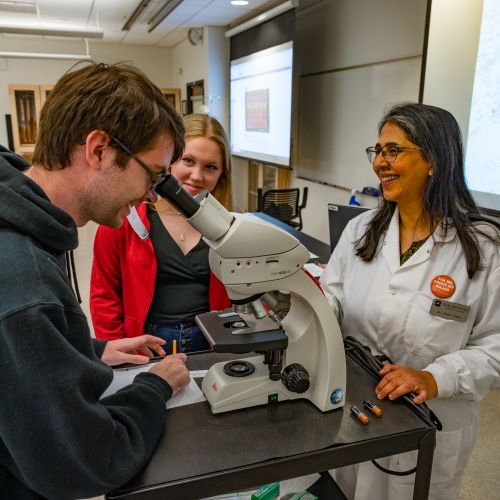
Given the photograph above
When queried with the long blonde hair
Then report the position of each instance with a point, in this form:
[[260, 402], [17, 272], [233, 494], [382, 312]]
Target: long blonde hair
[[198, 125]]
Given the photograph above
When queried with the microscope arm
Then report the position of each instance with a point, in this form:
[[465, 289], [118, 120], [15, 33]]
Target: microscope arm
[[244, 249]]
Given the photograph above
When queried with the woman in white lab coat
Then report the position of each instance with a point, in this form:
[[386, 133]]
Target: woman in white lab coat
[[418, 280]]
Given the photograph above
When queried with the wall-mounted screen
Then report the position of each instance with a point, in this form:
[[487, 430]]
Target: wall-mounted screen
[[462, 75], [482, 161], [261, 105]]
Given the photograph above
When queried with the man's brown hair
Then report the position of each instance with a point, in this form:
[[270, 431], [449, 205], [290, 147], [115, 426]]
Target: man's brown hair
[[116, 98]]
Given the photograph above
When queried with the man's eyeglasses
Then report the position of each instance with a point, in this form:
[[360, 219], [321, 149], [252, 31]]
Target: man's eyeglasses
[[389, 152], [155, 177]]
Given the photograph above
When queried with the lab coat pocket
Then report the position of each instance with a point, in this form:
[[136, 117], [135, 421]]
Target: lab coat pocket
[[430, 336], [446, 456], [444, 463]]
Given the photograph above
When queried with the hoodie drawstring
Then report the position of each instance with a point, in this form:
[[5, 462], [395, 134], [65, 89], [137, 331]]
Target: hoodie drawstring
[[71, 273]]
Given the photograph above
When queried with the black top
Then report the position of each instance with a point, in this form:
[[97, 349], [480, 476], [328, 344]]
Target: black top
[[57, 439], [182, 281]]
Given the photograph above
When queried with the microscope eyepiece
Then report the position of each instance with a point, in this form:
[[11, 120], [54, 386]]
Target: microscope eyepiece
[[170, 189]]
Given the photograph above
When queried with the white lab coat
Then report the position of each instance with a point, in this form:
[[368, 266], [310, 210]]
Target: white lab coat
[[386, 306]]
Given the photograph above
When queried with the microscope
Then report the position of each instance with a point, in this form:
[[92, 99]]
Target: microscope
[[299, 346]]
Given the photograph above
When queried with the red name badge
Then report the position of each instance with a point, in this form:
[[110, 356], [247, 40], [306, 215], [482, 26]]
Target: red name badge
[[443, 286]]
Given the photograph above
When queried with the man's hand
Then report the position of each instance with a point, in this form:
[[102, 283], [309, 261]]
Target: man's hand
[[173, 370], [400, 380], [136, 350]]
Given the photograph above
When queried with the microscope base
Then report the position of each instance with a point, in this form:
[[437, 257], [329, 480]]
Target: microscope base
[[227, 393]]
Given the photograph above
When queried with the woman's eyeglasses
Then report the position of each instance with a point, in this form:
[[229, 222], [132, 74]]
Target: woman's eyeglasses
[[389, 152]]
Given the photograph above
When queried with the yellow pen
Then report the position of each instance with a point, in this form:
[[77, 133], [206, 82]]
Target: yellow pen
[[174, 346]]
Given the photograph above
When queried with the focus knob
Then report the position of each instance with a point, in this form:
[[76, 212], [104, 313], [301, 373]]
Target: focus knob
[[295, 378]]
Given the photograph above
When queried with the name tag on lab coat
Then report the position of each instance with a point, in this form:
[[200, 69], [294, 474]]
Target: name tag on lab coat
[[449, 310]]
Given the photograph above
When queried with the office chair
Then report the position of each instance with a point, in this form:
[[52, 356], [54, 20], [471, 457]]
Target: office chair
[[283, 204]]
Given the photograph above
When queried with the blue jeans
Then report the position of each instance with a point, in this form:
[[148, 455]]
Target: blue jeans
[[187, 334]]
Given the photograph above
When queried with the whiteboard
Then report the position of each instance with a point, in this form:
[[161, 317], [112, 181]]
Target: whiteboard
[[338, 116], [482, 161]]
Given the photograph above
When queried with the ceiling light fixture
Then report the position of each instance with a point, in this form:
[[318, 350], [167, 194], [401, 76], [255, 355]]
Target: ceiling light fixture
[[135, 15], [239, 2], [265, 16], [25, 7], [46, 55], [162, 13], [78, 32], [41, 55]]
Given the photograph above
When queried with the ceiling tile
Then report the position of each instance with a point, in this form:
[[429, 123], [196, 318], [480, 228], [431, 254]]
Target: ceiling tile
[[112, 15]]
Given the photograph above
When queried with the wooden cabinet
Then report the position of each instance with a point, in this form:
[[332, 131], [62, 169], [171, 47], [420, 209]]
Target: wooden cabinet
[[26, 101], [173, 97], [195, 92]]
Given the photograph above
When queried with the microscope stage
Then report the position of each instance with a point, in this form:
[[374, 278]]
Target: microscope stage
[[227, 331]]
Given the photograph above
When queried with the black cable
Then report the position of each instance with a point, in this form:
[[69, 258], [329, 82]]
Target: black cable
[[373, 364], [394, 472], [363, 356]]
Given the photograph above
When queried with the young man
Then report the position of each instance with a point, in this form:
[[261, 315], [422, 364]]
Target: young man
[[58, 439]]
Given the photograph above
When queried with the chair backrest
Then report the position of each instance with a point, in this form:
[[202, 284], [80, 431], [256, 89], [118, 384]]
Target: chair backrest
[[282, 204], [338, 217]]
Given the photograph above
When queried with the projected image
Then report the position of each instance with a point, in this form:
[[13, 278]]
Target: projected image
[[482, 158], [257, 110], [261, 105]]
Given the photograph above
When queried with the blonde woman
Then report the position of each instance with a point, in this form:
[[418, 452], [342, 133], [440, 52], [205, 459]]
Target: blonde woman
[[152, 274]]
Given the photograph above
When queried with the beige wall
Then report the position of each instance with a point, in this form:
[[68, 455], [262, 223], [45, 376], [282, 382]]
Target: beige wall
[[155, 62], [189, 63], [83, 264], [218, 74], [207, 61]]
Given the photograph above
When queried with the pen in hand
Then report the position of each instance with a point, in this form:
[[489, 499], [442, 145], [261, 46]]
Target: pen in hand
[[174, 346]]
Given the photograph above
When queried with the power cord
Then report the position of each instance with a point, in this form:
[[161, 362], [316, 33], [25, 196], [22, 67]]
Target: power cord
[[372, 365]]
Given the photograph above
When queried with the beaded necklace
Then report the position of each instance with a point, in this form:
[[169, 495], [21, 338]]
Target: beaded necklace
[[413, 248]]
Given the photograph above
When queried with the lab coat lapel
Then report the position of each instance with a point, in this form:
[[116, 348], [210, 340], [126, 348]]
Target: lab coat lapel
[[390, 247], [437, 238], [424, 252]]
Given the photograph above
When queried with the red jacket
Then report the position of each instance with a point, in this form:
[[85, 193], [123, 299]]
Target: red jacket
[[123, 281]]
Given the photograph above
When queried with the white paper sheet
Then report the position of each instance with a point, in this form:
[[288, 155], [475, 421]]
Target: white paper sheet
[[314, 269], [189, 395]]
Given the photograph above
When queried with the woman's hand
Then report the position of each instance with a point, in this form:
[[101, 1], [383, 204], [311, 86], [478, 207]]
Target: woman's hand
[[136, 350], [400, 380]]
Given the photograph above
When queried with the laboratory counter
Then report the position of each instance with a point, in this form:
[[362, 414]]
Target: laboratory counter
[[202, 454]]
